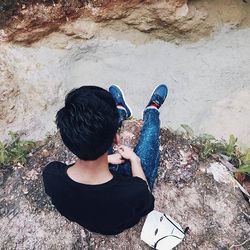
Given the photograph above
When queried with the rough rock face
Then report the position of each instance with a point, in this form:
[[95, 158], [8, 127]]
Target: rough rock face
[[216, 97], [8, 95], [215, 212], [17, 97], [28, 21]]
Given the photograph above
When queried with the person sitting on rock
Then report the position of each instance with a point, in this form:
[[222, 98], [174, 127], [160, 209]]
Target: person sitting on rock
[[104, 193]]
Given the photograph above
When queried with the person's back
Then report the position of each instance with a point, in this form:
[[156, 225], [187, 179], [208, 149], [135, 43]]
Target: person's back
[[103, 193], [107, 208]]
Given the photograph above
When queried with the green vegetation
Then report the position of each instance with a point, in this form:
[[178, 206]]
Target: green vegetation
[[15, 150], [208, 146], [245, 162]]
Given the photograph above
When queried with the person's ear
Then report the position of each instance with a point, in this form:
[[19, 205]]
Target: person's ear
[[117, 139]]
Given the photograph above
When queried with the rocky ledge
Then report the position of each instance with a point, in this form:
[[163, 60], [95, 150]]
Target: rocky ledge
[[28, 21], [186, 189]]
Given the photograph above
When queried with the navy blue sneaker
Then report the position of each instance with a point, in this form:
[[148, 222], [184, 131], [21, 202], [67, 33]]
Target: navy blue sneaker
[[119, 98], [158, 96]]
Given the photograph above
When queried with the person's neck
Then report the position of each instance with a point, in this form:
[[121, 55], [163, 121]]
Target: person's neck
[[91, 172]]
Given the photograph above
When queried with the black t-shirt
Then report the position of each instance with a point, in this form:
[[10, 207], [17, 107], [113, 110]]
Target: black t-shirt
[[107, 208]]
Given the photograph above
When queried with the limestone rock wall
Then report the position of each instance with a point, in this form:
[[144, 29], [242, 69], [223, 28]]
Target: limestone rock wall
[[208, 80], [124, 42], [28, 21]]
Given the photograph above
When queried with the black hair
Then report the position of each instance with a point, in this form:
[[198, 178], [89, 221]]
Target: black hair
[[88, 122]]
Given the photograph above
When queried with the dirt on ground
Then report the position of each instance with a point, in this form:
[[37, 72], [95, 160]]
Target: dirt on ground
[[216, 212]]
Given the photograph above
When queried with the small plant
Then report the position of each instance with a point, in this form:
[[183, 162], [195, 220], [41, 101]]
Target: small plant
[[15, 150], [188, 132], [231, 147], [245, 162], [244, 169], [208, 146]]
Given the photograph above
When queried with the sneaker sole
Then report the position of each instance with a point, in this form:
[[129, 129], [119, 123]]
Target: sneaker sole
[[123, 96]]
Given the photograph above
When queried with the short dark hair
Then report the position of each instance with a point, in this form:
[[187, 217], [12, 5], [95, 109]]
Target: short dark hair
[[88, 122]]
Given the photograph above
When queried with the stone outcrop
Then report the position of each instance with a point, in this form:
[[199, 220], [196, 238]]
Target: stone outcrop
[[216, 212], [28, 21], [35, 78]]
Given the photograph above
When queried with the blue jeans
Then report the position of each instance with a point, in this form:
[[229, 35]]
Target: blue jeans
[[147, 148]]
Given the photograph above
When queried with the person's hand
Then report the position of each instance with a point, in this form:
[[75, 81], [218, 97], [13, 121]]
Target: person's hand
[[136, 167], [115, 159], [127, 153]]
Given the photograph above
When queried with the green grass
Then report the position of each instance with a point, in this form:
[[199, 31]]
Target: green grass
[[15, 150], [245, 162], [208, 146]]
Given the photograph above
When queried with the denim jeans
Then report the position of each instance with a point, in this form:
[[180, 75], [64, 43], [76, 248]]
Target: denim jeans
[[147, 148]]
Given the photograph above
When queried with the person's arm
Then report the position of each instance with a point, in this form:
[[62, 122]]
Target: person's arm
[[129, 154]]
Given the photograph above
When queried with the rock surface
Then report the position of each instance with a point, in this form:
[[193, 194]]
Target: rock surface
[[28, 21], [208, 80], [215, 212]]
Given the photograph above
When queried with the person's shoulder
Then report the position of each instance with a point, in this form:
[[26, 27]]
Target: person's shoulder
[[139, 182], [139, 194], [54, 168], [134, 184]]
